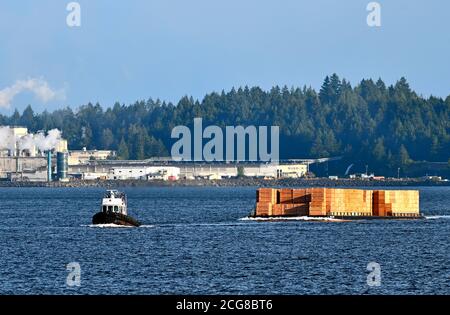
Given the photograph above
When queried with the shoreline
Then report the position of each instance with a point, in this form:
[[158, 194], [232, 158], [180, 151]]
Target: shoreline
[[235, 182]]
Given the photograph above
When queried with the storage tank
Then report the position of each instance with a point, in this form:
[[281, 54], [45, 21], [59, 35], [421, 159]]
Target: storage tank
[[62, 165], [49, 166]]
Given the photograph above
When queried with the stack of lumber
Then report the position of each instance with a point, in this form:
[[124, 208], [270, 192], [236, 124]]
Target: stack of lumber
[[336, 202], [398, 203]]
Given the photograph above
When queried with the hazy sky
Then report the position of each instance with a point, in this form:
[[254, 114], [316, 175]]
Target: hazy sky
[[130, 50]]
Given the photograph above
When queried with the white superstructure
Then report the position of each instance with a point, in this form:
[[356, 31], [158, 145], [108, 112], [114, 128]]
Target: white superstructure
[[115, 202]]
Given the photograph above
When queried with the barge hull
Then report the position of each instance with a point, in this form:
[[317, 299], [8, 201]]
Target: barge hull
[[346, 218]]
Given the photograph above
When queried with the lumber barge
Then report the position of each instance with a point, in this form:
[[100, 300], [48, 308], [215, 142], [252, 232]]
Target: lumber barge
[[337, 203]]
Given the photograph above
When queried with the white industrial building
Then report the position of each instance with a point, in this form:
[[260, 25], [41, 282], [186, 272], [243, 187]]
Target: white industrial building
[[80, 157], [209, 171], [251, 170], [94, 176], [149, 173], [29, 176]]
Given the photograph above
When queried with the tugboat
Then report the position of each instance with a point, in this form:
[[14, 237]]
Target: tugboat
[[114, 210]]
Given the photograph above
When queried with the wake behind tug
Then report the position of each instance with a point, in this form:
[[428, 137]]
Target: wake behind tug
[[114, 210]]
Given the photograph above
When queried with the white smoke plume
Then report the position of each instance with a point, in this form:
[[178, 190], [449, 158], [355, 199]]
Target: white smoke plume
[[43, 142], [38, 86], [7, 139], [39, 140]]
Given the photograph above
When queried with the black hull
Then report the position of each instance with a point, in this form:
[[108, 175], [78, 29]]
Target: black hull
[[114, 218]]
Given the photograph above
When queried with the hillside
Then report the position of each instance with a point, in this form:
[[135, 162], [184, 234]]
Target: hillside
[[385, 127]]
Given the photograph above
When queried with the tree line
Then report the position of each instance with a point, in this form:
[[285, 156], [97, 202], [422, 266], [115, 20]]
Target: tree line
[[370, 123]]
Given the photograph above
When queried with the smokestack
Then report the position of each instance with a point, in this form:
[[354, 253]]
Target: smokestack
[[17, 161], [49, 166]]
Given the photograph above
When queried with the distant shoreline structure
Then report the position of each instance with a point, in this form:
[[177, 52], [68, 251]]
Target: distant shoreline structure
[[233, 182]]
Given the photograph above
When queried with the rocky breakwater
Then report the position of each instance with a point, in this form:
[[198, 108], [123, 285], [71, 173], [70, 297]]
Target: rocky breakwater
[[232, 182]]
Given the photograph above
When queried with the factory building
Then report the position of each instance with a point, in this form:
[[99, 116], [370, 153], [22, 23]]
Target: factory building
[[94, 176], [84, 156], [276, 170], [39, 175], [148, 170], [57, 166], [30, 167], [218, 171], [206, 171], [147, 173], [129, 173], [28, 157], [61, 146], [38, 169], [45, 157]]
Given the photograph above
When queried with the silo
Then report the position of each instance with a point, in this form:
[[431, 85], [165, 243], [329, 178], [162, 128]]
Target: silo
[[62, 165]]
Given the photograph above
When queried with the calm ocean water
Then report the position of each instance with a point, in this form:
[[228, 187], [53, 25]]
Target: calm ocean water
[[194, 242]]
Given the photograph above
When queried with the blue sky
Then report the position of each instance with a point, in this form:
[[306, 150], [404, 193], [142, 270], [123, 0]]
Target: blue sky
[[130, 50]]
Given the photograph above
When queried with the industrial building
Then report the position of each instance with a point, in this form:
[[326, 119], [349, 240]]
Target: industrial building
[[218, 171], [41, 157], [32, 157], [34, 169], [81, 157], [149, 170], [148, 173], [53, 166]]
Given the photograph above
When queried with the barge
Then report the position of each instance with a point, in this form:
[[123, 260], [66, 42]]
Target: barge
[[344, 204]]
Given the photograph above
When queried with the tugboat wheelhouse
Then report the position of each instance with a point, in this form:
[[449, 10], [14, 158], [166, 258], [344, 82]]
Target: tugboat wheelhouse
[[114, 202]]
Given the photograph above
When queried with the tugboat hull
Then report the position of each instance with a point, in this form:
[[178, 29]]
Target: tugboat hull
[[114, 218]]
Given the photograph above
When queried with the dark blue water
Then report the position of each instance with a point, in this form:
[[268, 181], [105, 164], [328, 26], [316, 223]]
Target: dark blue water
[[194, 242]]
